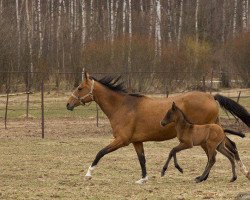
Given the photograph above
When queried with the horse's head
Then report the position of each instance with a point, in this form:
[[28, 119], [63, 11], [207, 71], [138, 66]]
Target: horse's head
[[170, 116], [82, 94]]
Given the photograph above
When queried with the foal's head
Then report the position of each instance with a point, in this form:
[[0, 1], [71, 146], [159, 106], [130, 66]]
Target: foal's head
[[82, 94], [171, 116]]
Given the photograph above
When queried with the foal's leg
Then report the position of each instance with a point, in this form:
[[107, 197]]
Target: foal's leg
[[210, 164], [211, 161], [222, 149], [141, 157], [204, 147], [173, 152], [116, 144]]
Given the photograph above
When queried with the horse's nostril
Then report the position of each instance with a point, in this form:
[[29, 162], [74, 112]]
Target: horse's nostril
[[67, 105]]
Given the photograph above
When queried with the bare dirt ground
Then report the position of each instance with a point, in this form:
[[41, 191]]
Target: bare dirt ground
[[54, 167]]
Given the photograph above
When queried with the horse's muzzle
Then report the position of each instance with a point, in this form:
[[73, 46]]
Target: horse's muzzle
[[71, 108], [163, 123]]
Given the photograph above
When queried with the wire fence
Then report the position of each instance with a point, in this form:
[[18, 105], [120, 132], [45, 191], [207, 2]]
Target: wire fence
[[43, 96]]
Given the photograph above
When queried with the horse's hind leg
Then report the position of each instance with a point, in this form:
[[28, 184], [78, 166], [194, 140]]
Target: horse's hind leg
[[141, 157], [222, 149], [116, 144], [173, 152]]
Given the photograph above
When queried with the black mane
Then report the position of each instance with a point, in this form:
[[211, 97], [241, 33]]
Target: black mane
[[115, 84]]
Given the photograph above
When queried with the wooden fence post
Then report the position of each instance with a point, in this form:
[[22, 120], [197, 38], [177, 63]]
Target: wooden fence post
[[28, 95], [204, 83], [211, 83], [42, 105], [97, 115], [238, 98], [7, 100]]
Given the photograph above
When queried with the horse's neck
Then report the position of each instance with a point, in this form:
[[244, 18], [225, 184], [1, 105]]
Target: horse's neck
[[108, 100], [181, 122]]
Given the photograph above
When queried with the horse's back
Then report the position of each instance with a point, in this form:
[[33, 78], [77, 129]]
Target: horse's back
[[199, 107]]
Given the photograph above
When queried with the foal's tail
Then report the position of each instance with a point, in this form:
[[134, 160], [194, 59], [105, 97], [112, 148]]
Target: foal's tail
[[234, 108], [240, 134], [231, 146]]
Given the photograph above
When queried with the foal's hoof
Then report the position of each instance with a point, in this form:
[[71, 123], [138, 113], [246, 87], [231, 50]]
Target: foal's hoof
[[198, 179], [233, 179], [179, 168]]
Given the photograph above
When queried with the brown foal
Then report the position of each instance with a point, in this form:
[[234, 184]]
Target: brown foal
[[211, 136]]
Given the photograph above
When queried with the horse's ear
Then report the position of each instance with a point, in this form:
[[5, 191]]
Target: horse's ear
[[173, 106], [85, 75]]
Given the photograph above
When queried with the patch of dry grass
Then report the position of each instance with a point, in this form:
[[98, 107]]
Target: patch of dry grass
[[54, 168]]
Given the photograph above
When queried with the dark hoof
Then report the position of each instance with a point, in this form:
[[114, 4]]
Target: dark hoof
[[198, 179], [233, 179], [179, 168], [205, 178], [163, 172]]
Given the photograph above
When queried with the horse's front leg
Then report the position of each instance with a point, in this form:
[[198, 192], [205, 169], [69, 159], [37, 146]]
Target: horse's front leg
[[116, 144], [141, 157]]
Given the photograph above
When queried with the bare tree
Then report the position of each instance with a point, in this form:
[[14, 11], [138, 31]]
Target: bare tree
[[29, 36], [235, 17], [19, 34], [180, 24]]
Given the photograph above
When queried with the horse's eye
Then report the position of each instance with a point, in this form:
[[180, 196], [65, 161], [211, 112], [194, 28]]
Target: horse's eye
[[79, 89]]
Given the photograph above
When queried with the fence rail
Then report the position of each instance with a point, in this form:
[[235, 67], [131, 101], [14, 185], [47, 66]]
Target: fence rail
[[23, 96]]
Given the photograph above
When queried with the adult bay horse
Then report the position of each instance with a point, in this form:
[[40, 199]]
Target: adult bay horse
[[136, 119]]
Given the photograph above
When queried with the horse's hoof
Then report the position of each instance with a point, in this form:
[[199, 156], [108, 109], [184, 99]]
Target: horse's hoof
[[233, 179], [87, 177], [142, 180], [163, 173]]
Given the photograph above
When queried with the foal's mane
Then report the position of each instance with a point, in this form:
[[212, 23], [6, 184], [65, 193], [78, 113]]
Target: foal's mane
[[184, 116], [115, 84]]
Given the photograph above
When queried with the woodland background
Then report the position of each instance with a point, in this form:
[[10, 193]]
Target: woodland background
[[147, 41]]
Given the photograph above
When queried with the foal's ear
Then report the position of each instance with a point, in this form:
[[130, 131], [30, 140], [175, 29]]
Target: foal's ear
[[173, 106]]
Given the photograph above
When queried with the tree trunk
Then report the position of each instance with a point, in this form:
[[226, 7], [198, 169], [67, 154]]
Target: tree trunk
[[158, 29], [244, 14], [196, 21], [29, 38], [169, 17], [19, 35], [83, 23], [40, 28], [235, 17], [124, 17], [180, 24]]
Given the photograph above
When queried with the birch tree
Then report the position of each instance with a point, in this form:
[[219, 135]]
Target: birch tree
[[124, 17], [169, 17], [223, 21], [112, 21], [235, 17], [29, 37], [158, 29], [196, 21], [19, 34], [58, 32], [1, 9], [83, 37], [39, 28], [180, 24], [244, 14]]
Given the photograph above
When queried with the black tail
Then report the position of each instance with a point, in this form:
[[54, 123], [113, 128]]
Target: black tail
[[234, 108], [240, 134]]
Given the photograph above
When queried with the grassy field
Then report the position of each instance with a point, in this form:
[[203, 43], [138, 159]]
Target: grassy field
[[54, 168]]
